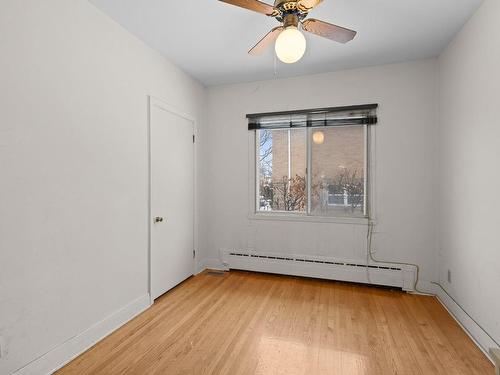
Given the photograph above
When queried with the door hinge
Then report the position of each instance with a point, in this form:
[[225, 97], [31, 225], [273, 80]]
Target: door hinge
[[194, 253], [194, 138]]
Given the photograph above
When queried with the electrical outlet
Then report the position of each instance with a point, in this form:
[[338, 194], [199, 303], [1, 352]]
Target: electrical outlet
[[449, 276]]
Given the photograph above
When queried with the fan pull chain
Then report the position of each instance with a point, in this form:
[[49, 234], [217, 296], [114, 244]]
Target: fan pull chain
[[275, 66]]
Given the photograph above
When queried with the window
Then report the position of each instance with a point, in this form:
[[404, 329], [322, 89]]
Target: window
[[312, 163], [338, 166], [282, 170]]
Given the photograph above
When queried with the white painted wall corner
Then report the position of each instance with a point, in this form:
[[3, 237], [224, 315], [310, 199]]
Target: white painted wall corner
[[470, 327], [73, 347]]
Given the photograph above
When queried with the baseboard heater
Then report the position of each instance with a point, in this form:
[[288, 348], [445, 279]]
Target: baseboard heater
[[322, 267]]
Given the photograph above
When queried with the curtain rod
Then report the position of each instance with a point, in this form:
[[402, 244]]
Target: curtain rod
[[315, 111]]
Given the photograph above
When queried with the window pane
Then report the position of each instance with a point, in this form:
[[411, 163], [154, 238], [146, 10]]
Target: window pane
[[338, 171], [282, 170]]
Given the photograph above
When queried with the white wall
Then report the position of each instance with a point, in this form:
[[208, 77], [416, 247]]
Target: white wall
[[73, 162], [404, 166], [469, 182]]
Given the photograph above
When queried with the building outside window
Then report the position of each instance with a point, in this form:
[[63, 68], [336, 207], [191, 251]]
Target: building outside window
[[314, 171]]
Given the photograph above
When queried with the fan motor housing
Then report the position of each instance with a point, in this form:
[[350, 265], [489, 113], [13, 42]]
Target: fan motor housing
[[287, 8], [291, 20], [285, 5]]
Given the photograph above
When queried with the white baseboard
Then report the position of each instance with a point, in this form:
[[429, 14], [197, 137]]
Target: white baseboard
[[73, 347], [470, 327], [212, 264], [70, 349]]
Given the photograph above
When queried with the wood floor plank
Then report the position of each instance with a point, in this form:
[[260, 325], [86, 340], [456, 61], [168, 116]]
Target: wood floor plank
[[251, 323]]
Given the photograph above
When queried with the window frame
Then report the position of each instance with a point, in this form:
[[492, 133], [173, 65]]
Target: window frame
[[368, 209]]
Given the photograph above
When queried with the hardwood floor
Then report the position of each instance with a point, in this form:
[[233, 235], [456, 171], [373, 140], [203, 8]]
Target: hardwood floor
[[248, 323]]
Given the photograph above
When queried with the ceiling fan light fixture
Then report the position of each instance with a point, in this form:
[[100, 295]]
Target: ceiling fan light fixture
[[290, 45]]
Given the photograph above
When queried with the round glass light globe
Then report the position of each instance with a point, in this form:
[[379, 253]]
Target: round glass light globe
[[318, 137], [290, 45]]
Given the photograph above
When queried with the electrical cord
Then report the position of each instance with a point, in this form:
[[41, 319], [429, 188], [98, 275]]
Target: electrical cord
[[275, 66], [369, 256]]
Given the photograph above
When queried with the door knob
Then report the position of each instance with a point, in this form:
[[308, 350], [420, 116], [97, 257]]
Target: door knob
[[158, 219]]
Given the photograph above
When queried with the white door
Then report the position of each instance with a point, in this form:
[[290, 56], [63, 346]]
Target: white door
[[172, 198]]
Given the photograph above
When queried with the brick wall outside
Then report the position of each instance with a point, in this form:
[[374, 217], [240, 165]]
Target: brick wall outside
[[280, 153], [341, 151], [342, 147]]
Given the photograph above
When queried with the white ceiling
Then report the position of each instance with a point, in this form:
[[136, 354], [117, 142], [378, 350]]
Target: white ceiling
[[210, 39]]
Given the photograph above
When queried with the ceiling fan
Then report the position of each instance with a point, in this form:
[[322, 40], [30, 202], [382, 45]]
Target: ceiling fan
[[290, 42]]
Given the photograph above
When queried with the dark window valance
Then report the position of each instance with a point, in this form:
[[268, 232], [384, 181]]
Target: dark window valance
[[335, 116]]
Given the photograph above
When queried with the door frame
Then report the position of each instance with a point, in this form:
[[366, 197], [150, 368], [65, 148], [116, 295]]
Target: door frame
[[156, 102]]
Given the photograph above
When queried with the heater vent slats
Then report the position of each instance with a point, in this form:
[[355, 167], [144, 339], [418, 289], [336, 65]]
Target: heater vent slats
[[305, 260], [357, 271]]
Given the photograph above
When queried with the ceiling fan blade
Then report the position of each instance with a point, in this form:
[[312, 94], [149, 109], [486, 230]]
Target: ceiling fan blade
[[307, 5], [266, 41], [327, 30], [255, 5]]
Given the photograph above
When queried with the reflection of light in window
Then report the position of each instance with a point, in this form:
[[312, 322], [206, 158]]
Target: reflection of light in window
[[319, 137]]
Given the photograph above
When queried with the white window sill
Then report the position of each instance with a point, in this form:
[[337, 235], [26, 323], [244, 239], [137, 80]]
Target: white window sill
[[306, 218]]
